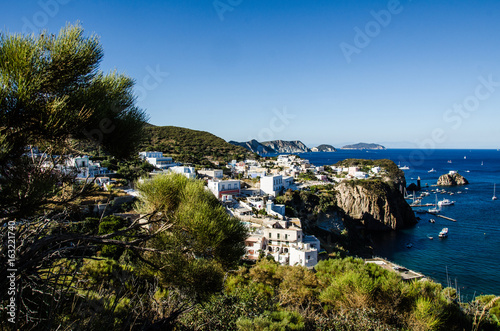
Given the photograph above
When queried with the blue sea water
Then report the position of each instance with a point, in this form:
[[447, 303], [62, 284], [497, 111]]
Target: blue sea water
[[469, 258]]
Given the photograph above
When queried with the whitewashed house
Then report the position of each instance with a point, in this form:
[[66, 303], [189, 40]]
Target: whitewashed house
[[188, 172], [224, 190], [272, 185], [157, 159], [212, 173]]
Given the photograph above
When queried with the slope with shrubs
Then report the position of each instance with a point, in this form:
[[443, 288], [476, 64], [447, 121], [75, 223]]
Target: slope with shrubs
[[191, 146], [343, 294]]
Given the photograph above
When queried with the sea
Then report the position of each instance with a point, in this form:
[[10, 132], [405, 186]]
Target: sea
[[468, 259]]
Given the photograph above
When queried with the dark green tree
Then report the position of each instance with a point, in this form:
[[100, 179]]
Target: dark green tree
[[54, 102]]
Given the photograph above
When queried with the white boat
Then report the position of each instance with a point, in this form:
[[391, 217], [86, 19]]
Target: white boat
[[445, 202], [403, 167], [432, 220], [432, 170], [494, 197], [449, 161], [443, 233]]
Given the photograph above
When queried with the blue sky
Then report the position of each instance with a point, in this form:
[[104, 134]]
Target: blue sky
[[401, 73]]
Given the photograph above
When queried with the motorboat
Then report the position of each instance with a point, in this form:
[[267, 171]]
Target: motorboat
[[443, 233], [432, 170], [432, 220], [494, 197], [445, 202]]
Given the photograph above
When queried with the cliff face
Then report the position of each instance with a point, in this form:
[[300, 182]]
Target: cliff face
[[377, 204], [254, 146], [281, 146], [275, 146], [326, 148], [452, 179]]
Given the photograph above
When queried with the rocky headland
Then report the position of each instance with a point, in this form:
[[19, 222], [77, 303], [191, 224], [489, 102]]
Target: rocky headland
[[377, 204], [324, 148], [274, 146]]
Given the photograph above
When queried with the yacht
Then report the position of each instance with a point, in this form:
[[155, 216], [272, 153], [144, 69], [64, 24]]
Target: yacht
[[432, 170], [445, 202], [443, 233]]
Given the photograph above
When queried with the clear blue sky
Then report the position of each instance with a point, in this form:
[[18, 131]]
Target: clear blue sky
[[403, 73]]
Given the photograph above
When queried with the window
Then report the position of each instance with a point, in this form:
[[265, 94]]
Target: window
[[278, 235], [286, 236], [223, 186], [228, 186], [269, 235]]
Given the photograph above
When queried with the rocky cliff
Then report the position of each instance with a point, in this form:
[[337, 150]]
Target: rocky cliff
[[379, 205], [275, 146], [254, 146], [452, 179], [282, 146], [324, 148]]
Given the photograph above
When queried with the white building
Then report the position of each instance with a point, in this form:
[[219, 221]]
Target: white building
[[189, 172], [212, 173], [253, 246], [272, 185], [305, 253], [224, 190], [157, 159], [288, 245], [352, 171]]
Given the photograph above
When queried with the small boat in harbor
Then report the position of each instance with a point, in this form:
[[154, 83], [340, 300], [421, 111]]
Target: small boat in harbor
[[449, 161], [432, 170], [435, 210], [432, 220], [430, 237], [445, 202], [443, 233]]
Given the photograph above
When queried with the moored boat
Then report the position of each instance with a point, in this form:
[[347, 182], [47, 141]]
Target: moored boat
[[443, 233]]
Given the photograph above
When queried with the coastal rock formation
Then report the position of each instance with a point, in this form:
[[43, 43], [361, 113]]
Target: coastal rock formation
[[254, 146], [282, 146], [379, 205], [275, 146], [452, 179], [363, 146], [324, 148]]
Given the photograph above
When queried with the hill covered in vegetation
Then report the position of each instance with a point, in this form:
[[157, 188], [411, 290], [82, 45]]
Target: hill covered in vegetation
[[191, 146]]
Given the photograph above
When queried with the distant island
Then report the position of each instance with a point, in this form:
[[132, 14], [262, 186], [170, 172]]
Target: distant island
[[323, 148], [363, 146]]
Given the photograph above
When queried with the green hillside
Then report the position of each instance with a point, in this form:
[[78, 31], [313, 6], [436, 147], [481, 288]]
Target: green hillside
[[191, 146]]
